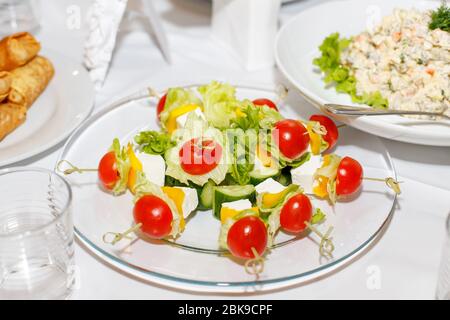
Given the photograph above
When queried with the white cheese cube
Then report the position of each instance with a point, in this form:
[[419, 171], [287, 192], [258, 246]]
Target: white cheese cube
[[190, 201], [269, 186], [154, 167], [181, 120], [238, 205], [304, 175]]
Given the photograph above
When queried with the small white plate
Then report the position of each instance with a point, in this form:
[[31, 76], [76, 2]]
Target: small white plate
[[64, 105], [194, 261], [297, 45]]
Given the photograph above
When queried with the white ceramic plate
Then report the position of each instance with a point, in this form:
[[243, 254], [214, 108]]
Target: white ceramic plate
[[67, 101], [297, 45], [194, 262]]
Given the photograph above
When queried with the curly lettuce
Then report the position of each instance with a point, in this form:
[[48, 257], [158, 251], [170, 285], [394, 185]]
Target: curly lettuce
[[219, 103], [154, 142], [335, 72]]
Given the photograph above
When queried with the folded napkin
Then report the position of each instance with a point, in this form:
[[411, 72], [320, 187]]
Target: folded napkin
[[104, 20], [247, 28]]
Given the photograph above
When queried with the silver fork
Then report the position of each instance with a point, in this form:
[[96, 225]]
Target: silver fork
[[340, 109]]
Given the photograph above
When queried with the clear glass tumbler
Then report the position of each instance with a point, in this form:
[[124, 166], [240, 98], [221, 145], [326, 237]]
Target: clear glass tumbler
[[18, 15], [36, 235], [443, 287]]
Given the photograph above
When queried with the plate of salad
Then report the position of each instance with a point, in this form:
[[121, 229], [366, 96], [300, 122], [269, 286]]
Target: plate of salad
[[224, 188], [393, 55]]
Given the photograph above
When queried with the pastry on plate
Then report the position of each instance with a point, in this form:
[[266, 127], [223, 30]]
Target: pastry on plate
[[17, 49], [29, 81]]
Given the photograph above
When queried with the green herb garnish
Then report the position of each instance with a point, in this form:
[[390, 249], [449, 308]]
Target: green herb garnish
[[440, 18]]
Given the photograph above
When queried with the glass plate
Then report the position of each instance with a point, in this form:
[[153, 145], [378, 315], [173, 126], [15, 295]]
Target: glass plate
[[193, 261]]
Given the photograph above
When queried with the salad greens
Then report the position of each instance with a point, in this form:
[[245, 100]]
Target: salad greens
[[440, 18], [154, 142], [219, 103], [123, 166], [335, 72]]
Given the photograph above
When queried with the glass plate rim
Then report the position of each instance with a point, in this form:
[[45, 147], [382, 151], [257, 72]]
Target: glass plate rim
[[111, 259]]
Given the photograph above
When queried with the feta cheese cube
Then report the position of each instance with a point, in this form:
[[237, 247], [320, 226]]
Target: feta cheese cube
[[269, 186], [154, 167], [238, 205], [304, 175], [190, 201]]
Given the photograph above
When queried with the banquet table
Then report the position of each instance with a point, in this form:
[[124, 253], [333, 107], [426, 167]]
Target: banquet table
[[405, 259]]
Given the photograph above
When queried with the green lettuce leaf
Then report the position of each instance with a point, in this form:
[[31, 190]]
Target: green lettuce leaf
[[330, 64], [154, 142], [219, 103], [123, 166], [318, 217], [255, 117], [240, 144]]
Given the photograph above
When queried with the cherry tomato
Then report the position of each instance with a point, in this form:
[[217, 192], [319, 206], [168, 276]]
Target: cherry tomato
[[161, 105], [265, 102], [332, 131], [245, 234], [296, 211], [199, 156], [291, 137], [349, 176], [107, 170], [155, 216]]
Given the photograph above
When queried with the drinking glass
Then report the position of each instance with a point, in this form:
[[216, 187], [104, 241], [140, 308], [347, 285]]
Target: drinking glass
[[443, 288], [18, 15], [36, 235]]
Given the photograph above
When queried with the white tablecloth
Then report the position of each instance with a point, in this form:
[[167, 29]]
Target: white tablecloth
[[406, 257]]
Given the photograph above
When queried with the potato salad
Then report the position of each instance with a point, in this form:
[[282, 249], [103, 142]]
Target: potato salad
[[402, 63]]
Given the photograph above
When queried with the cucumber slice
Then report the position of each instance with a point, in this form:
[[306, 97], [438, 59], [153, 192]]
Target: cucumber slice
[[206, 195], [284, 177], [258, 176], [230, 194]]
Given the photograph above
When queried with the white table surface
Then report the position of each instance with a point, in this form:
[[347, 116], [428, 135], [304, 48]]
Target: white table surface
[[407, 256]]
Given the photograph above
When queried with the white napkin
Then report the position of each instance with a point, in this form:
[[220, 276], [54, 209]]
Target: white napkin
[[247, 28], [104, 20]]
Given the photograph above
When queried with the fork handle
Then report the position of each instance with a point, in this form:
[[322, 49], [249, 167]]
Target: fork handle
[[362, 111]]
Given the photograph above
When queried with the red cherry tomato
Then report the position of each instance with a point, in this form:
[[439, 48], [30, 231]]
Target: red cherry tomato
[[155, 216], [107, 170], [245, 234], [291, 137], [199, 156], [296, 211], [332, 131], [349, 176], [265, 102], [161, 105]]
